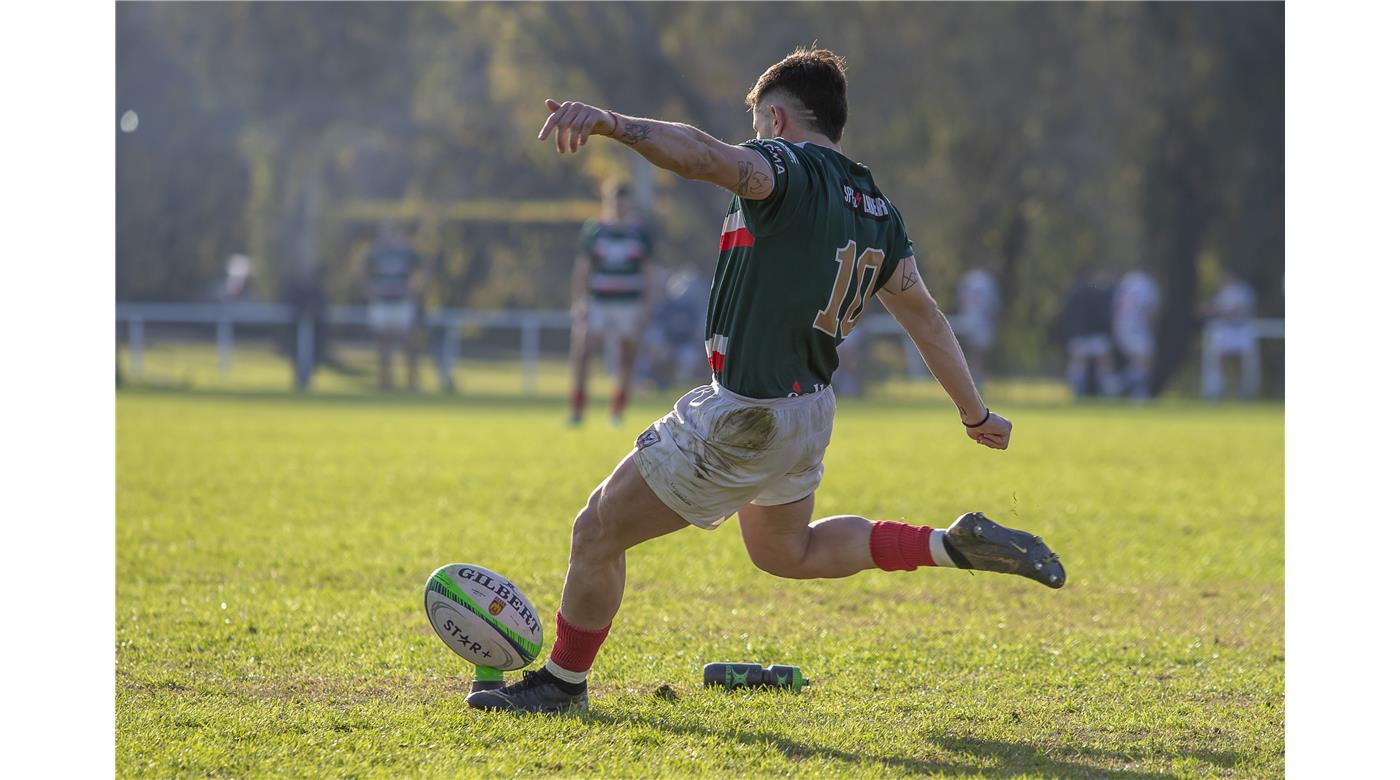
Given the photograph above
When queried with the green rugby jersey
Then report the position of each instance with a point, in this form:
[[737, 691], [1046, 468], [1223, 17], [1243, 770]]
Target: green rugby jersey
[[797, 270], [615, 252]]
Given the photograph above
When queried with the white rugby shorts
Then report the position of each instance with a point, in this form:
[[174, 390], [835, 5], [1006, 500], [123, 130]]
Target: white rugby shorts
[[1090, 347], [614, 317], [1230, 339], [717, 451], [1136, 342]]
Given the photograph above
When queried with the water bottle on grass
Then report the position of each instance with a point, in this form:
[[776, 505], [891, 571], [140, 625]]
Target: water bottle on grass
[[735, 675]]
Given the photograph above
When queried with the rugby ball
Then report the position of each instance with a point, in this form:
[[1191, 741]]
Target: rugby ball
[[482, 616]]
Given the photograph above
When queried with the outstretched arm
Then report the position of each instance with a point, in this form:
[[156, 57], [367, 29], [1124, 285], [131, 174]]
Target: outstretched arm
[[675, 147], [906, 297]]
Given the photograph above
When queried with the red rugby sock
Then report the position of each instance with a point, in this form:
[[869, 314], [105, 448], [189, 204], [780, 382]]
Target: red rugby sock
[[619, 401], [577, 400], [899, 547], [574, 647]]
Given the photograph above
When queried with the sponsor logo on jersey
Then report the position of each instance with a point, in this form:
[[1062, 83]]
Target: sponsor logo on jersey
[[872, 206], [775, 151]]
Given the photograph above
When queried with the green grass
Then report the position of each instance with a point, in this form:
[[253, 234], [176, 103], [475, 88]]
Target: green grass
[[271, 552]]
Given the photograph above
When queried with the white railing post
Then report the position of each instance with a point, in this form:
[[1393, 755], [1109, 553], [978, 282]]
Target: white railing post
[[529, 351], [451, 335], [224, 335], [306, 344], [136, 343]]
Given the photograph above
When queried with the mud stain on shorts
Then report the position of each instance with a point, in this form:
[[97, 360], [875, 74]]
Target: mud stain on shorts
[[751, 428], [740, 435]]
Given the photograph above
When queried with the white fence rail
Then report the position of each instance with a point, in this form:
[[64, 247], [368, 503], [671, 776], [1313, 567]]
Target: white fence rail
[[225, 317]]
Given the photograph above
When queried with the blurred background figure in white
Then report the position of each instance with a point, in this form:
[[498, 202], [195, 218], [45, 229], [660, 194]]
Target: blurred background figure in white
[[1135, 304], [237, 279], [1086, 323], [1230, 333], [392, 284], [979, 303]]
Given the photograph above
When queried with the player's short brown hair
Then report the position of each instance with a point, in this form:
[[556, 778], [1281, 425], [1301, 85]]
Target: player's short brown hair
[[816, 78]]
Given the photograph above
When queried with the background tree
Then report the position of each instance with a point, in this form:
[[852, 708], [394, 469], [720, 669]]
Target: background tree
[[1029, 138]]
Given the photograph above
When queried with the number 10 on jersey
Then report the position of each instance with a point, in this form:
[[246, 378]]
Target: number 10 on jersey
[[864, 269]]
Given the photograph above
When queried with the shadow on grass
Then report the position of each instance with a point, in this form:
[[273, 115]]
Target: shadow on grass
[[993, 758]]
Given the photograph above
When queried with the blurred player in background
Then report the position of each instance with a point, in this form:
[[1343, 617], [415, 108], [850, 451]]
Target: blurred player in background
[[612, 292], [393, 280], [675, 341], [1086, 322], [1135, 304], [979, 303], [753, 440], [1230, 333]]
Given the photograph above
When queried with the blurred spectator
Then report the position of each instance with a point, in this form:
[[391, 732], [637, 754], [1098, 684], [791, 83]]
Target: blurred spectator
[[1229, 332], [393, 283], [849, 379], [1085, 324], [1135, 304], [675, 344], [612, 291], [304, 292], [979, 303]]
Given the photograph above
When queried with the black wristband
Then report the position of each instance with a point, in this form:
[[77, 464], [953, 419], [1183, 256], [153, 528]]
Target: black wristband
[[980, 422]]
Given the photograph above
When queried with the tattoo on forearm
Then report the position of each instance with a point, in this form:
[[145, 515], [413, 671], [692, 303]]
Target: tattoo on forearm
[[634, 133], [750, 181], [909, 278]]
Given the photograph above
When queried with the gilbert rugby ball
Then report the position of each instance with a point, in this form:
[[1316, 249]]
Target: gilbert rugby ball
[[482, 616]]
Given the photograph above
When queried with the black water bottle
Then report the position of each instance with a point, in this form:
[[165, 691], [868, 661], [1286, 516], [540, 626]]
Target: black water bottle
[[732, 675]]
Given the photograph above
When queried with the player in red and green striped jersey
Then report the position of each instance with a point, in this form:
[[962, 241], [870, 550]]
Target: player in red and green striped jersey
[[808, 240], [612, 292]]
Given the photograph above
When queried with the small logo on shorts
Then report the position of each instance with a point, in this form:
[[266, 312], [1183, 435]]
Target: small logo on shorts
[[496, 606], [648, 438]]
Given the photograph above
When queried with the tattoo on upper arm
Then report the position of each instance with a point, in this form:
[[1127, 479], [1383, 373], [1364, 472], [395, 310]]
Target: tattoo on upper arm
[[750, 181], [634, 133], [909, 277]]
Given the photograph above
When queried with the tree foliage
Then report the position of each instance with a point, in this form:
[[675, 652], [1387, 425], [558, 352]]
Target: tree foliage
[[1029, 138]]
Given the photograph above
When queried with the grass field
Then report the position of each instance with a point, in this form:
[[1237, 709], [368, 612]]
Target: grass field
[[271, 552]]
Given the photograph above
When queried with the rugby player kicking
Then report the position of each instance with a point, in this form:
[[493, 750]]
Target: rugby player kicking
[[808, 240]]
